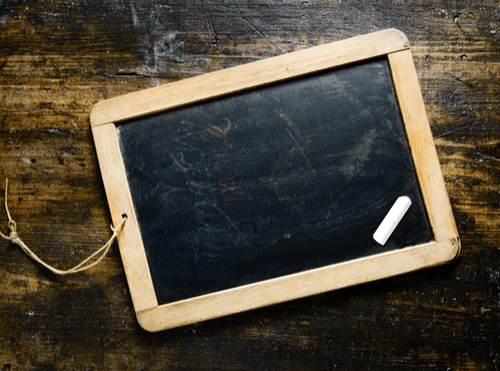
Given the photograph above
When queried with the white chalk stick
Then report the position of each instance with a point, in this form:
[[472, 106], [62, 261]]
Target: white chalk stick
[[392, 219]]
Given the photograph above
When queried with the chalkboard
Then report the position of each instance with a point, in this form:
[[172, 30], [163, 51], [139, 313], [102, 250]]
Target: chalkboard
[[267, 184], [273, 181]]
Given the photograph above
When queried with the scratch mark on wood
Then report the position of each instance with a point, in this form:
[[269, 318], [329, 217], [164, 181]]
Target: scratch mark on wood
[[449, 132], [261, 34], [211, 29], [455, 20], [467, 84], [253, 27]]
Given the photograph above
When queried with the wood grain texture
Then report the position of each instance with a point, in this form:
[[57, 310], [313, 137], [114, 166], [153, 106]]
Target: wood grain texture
[[422, 145], [57, 59], [299, 285], [199, 244], [134, 259], [246, 77]]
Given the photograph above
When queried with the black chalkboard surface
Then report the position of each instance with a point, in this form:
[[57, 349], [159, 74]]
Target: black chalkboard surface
[[270, 182], [265, 182]]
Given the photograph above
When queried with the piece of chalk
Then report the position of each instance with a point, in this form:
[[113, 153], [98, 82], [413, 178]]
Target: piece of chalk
[[392, 219]]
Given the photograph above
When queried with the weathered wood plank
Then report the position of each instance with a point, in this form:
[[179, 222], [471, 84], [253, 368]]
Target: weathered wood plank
[[57, 59]]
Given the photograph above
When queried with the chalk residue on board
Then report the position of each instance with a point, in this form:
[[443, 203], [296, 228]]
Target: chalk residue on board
[[358, 155]]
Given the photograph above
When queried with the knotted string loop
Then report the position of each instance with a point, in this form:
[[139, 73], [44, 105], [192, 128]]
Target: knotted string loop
[[14, 238]]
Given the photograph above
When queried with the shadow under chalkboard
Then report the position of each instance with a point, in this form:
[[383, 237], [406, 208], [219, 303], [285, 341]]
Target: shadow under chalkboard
[[271, 181]]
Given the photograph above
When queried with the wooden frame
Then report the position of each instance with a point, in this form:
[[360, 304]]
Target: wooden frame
[[390, 43]]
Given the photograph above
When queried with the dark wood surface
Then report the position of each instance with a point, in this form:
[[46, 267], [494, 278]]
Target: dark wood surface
[[57, 59]]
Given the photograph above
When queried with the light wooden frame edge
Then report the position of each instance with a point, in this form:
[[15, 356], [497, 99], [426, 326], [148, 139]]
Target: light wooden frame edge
[[299, 285], [391, 43], [120, 203], [247, 76], [418, 131]]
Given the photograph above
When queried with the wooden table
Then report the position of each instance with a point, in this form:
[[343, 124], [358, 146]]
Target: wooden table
[[57, 59]]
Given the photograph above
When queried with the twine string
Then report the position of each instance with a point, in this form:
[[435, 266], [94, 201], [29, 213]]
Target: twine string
[[14, 238]]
